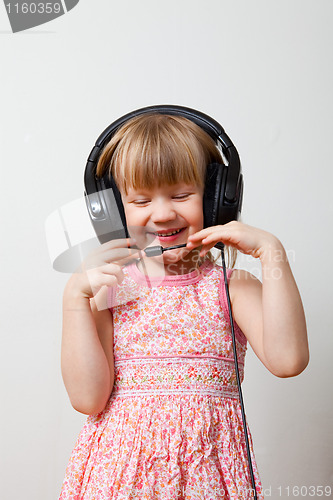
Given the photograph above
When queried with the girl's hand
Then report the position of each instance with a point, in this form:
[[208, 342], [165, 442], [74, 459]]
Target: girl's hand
[[103, 267], [270, 313], [247, 239]]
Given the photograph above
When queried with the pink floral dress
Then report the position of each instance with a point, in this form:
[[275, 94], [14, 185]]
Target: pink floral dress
[[172, 428]]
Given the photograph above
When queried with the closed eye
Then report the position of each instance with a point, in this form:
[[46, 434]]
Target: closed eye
[[181, 196], [140, 202]]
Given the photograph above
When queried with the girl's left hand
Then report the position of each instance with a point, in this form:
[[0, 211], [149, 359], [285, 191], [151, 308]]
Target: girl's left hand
[[247, 239]]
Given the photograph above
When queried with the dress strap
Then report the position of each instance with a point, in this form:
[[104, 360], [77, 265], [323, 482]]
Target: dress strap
[[224, 305], [111, 296]]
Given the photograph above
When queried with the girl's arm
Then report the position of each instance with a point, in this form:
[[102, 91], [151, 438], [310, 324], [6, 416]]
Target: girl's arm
[[270, 314], [86, 352], [87, 340]]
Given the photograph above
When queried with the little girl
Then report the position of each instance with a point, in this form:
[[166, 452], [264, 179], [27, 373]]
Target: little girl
[[153, 368]]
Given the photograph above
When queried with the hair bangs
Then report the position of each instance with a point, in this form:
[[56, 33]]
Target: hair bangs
[[156, 160], [152, 150]]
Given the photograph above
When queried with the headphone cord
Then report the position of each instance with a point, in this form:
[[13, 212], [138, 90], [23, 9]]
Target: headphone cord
[[254, 490]]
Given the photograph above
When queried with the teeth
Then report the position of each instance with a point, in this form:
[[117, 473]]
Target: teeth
[[168, 234]]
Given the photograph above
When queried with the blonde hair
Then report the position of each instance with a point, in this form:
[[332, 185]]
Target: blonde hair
[[155, 149]]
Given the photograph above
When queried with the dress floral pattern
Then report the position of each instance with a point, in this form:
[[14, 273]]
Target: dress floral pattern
[[172, 428]]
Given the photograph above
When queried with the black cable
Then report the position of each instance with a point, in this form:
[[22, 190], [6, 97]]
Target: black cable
[[254, 490]]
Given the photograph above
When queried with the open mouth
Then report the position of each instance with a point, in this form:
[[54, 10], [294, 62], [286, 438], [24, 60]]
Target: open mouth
[[176, 231], [168, 235]]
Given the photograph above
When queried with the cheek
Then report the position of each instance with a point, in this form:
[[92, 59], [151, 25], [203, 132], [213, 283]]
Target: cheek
[[137, 228], [197, 217], [133, 215], [201, 221]]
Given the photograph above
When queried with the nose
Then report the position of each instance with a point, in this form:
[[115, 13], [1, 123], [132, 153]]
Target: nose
[[163, 211]]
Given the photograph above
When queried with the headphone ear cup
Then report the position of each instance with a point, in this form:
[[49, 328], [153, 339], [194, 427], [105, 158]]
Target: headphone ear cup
[[109, 184], [106, 210], [217, 210], [215, 180]]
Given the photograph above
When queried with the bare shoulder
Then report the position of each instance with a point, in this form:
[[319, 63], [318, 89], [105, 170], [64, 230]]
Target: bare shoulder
[[246, 300], [241, 280]]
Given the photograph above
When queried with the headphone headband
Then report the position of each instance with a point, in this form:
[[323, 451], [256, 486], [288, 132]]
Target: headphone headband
[[210, 126]]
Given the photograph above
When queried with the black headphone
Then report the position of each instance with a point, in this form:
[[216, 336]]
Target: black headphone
[[223, 193]]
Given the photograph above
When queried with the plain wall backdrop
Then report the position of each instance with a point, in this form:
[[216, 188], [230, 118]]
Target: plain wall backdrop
[[263, 69]]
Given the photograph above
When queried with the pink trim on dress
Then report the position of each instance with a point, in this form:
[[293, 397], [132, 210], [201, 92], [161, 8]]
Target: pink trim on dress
[[212, 356], [170, 280], [111, 296]]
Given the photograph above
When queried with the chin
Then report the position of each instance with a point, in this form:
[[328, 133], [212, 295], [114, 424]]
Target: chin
[[189, 258]]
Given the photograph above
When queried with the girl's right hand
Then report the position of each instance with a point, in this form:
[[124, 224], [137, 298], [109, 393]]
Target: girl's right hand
[[103, 267]]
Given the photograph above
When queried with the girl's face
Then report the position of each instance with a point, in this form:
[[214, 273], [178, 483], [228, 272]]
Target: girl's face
[[166, 216]]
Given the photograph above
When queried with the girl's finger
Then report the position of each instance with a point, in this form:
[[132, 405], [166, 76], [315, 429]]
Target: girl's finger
[[109, 275], [130, 258], [203, 238], [131, 244], [213, 238], [207, 230], [119, 254], [105, 254], [199, 235], [207, 238], [119, 243], [222, 230]]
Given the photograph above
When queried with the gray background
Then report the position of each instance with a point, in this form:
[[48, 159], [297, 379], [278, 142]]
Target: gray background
[[262, 68]]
